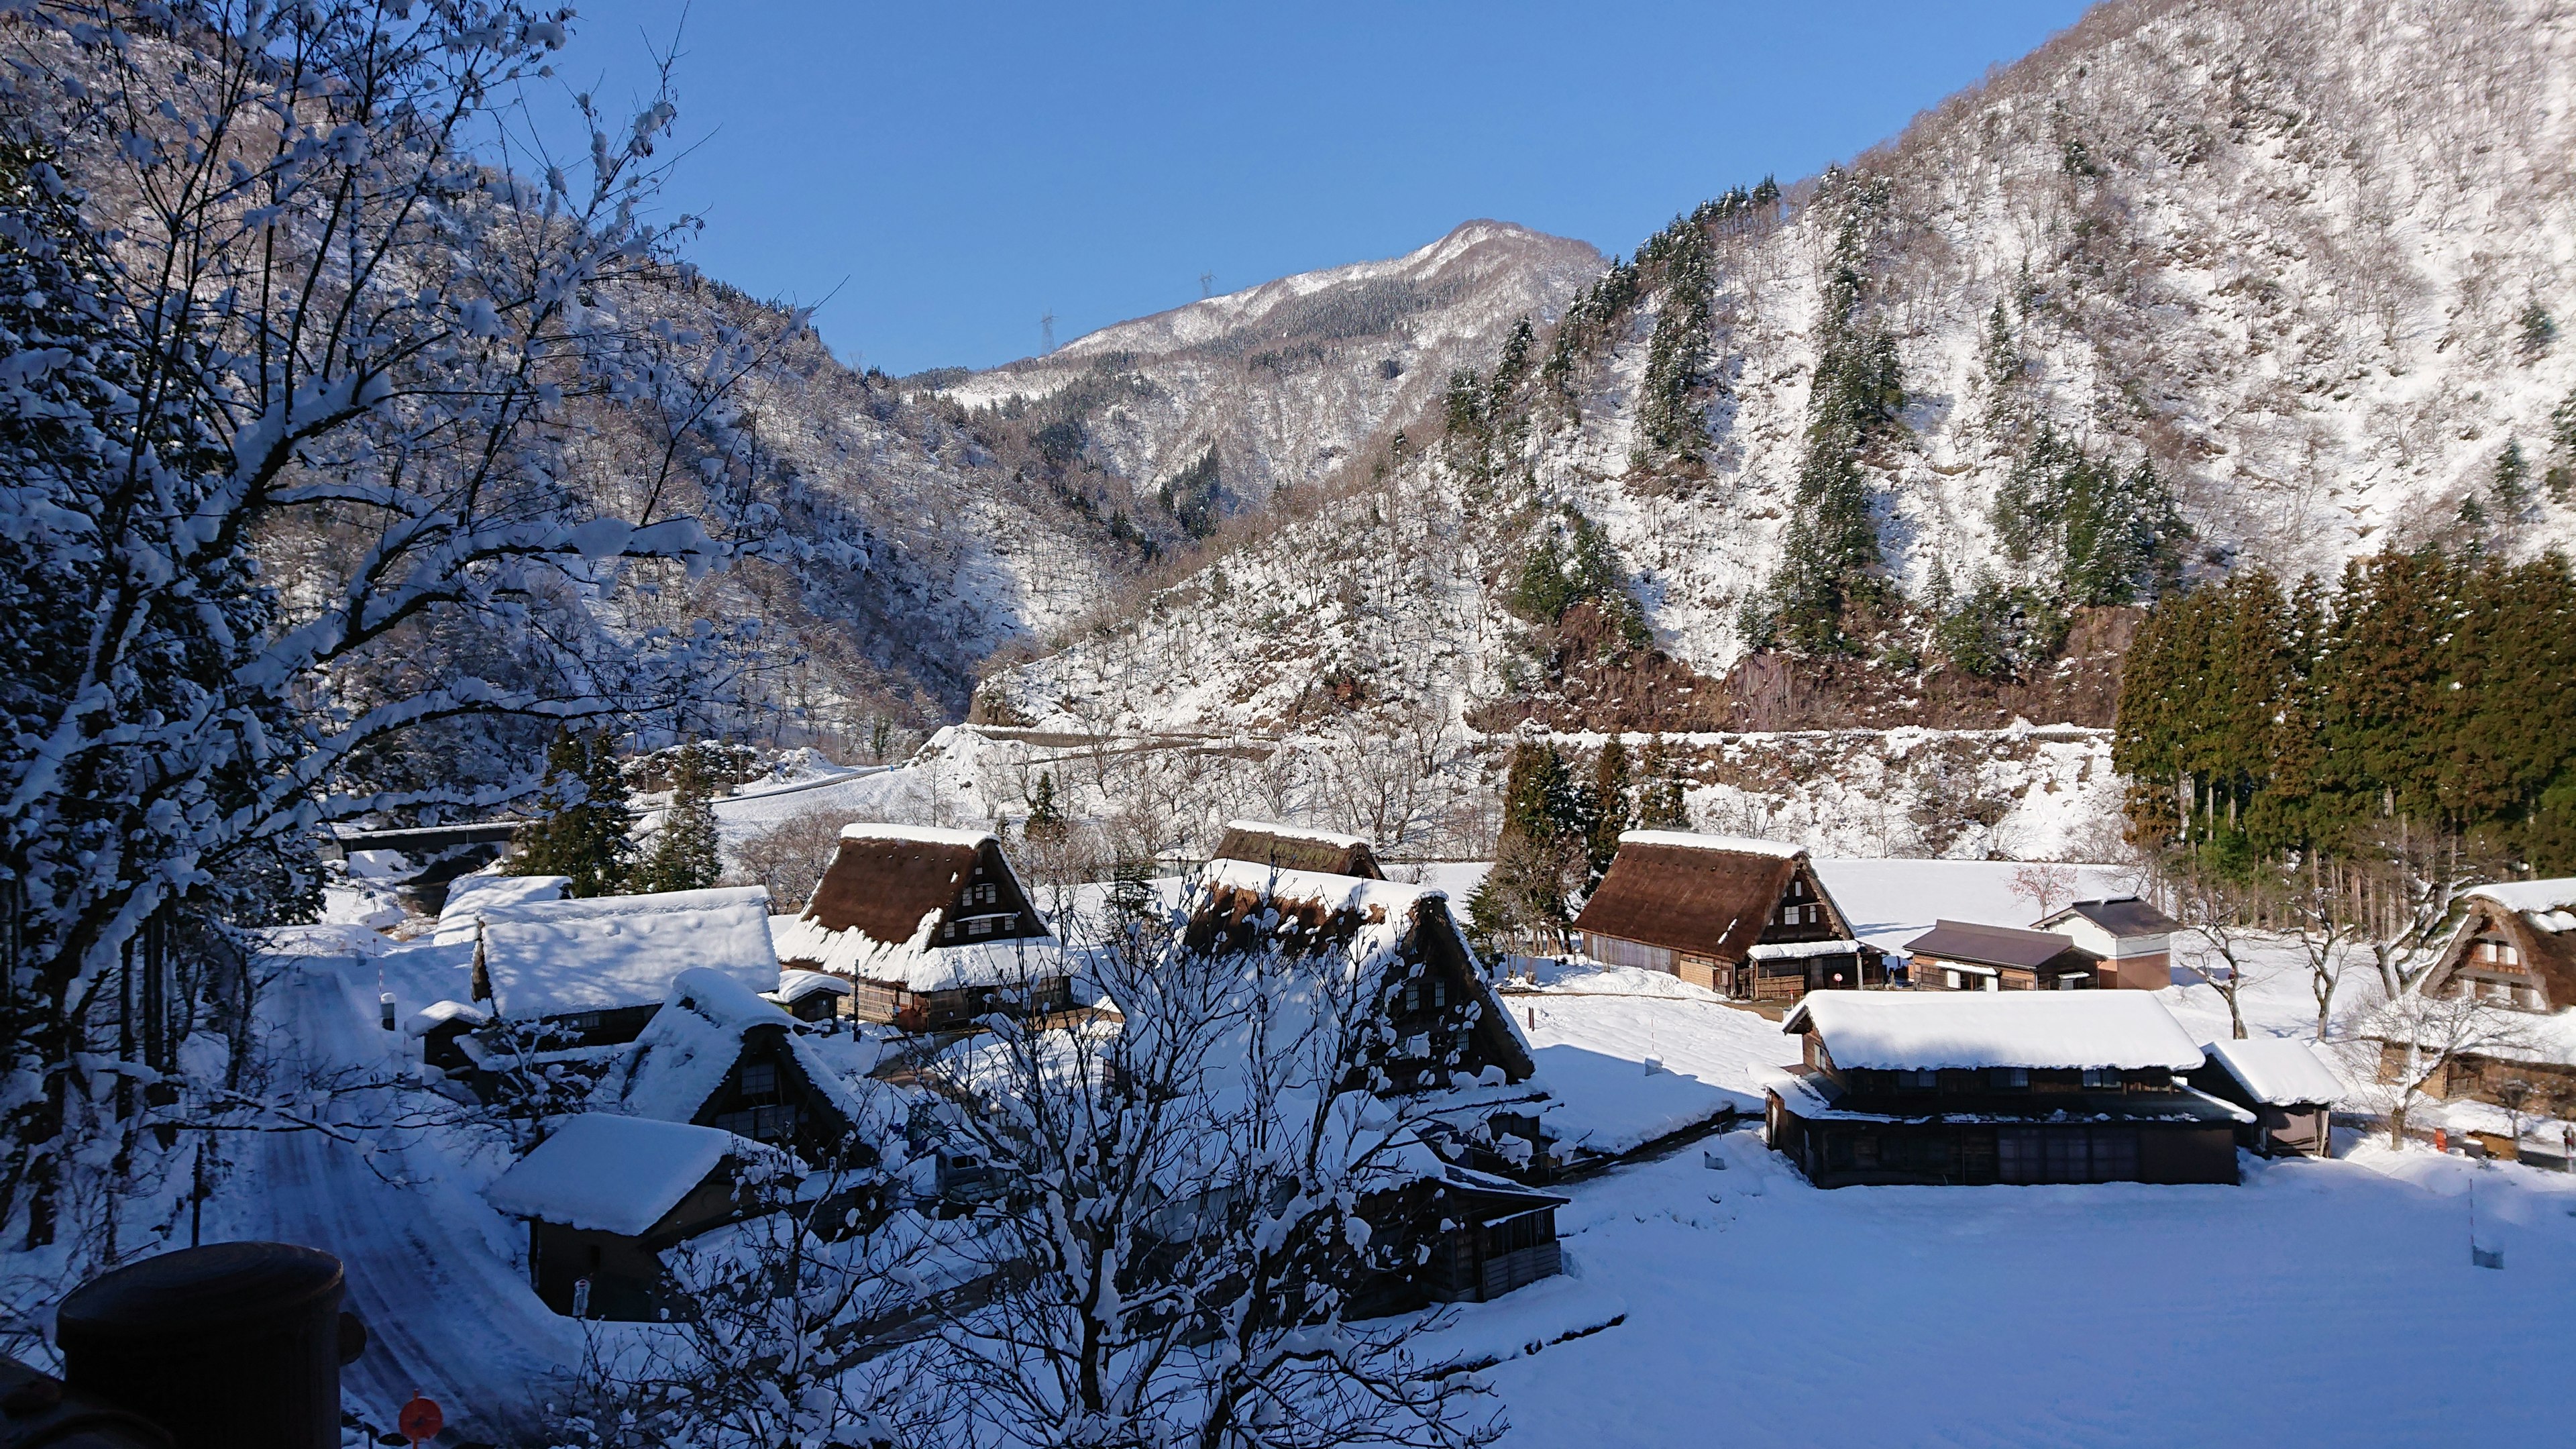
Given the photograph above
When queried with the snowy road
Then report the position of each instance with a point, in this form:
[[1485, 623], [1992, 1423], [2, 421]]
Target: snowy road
[[447, 1315]]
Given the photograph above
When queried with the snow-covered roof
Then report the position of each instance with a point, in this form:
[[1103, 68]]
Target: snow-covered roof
[[2277, 1071], [1801, 950], [794, 986], [919, 834], [693, 1042], [2551, 904], [1332, 893], [551, 958], [918, 964], [1691, 840], [438, 1013], [1892, 1031], [617, 1174], [1332, 838], [469, 896]]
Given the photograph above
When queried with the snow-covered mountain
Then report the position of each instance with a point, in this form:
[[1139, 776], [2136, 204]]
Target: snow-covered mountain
[[2310, 259], [1282, 384]]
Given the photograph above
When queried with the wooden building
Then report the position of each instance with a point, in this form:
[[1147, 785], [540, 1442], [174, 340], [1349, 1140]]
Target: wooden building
[[1404, 947], [443, 1028], [2515, 949], [718, 1055], [931, 928], [1966, 956], [813, 996], [1455, 1236], [1972, 1088], [593, 971], [2129, 938], [1748, 918], [605, 1195], [1297, 847], [2281, 1082]]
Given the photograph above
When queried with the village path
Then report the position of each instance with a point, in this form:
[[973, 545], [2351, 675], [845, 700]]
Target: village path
[[446, 1315]]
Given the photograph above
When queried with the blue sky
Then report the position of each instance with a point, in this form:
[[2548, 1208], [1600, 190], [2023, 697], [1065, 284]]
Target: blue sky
[[946, 173]]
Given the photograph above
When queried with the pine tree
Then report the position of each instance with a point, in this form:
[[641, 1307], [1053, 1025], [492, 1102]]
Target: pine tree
[[2561, 477], [2511, 482], [1046, 818], [1661, 803], [1613, 806], [580, 830], [686, 854]]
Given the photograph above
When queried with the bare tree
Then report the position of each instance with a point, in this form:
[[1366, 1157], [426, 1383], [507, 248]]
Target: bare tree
[[2044, 885], [791, 856], [2222, 949], [2407, 1046]]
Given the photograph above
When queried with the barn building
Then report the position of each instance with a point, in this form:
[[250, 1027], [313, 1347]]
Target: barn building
[[605, 1195], [2027, 1087], [1297, 847], [592, 972], [1748, 918], [2280, 1081], [931, 928], [1965, 956], [2129, 938]]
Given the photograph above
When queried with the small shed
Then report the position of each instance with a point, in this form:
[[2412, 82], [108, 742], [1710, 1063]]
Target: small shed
[[2131, 938], [441, 1028], [812, 995], [593, 971], [605, 1195], [1298, 847], [932, 929], [1454, 1235], [1967, 956], [2280, 1081], [1749, 918]]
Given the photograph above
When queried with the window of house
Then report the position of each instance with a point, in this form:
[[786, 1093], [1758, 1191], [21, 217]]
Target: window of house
[[2008, 1078], [760, 1079], [980, 926], [1923, 1081], [2098, 1077]]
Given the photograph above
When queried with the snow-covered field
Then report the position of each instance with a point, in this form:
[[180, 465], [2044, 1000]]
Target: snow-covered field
[[2320, 1302]]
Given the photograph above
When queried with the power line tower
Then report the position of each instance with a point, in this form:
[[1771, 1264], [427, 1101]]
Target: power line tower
[[1046, 329], [1207, 285]]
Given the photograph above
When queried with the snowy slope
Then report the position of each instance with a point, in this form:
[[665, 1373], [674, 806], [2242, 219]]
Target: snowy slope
[[2286, 251]]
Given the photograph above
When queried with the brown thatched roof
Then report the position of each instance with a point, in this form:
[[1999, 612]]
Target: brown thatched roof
[[1709, 900], [2524, 914], [1294, 847], [885, 878]]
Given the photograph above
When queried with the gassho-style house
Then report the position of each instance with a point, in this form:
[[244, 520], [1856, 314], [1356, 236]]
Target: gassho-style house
[[1748, 918]]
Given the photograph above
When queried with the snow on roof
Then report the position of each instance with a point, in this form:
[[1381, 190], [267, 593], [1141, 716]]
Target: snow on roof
[[469, 896], [917, 964], [797, 985], [920, 834], [687, 1049], [1297, 832], [2278, 1071], [1801, 950], [438, 1013], [552, 958], [1689, 840], [1887, 1031], [2550, 903], [617, 1174], [1315, 888]]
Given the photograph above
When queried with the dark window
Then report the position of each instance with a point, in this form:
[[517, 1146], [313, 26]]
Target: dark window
[[2004, 1079], [759, 1080]]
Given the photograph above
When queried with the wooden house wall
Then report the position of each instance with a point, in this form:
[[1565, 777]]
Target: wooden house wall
[[1840, 1153]]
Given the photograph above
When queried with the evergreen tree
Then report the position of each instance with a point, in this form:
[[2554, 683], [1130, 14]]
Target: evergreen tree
[[1669, 424], [1046, 818], [2561, 476], [1613, 805], [685, 855], [1661, 804], [582, 820], [2511, 483]]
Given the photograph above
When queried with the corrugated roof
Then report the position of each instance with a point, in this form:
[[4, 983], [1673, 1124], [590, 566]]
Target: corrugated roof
[[2126, 916], [1990, 945]]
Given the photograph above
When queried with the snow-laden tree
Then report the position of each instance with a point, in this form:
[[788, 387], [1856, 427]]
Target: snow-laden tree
[[297, 311], [1176, 1235]]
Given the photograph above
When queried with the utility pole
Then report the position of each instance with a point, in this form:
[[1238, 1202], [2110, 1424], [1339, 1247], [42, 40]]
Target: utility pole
[[1207, 285], [1046, 329]]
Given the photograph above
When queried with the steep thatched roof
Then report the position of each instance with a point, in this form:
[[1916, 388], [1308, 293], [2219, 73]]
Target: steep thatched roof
[[1706, 894], [1295, 847]]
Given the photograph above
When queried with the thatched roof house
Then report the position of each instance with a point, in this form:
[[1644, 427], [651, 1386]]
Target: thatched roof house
[[1298, 847], [1749, 918], [593, 971], [931, 927], [719, 1055]]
